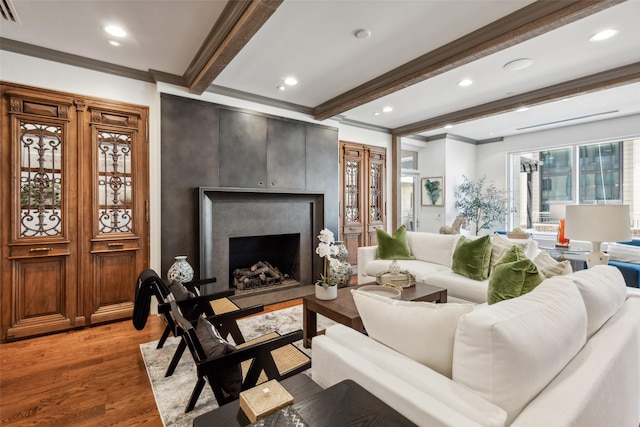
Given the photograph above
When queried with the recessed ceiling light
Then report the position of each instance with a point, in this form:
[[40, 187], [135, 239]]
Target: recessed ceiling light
[[603, 35], [290, 81], [115, 30], [448, 126], [281, 88], [522, 109], [362, 33], [113, 42], [387, 109], [465, 82], [518, 64], [377, 113]]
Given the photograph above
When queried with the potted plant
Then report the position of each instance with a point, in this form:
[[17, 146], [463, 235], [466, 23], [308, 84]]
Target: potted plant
[[327, 286], [481, 203]]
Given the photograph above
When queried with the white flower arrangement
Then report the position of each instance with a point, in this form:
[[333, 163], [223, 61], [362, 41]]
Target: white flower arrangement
[[327, 250]]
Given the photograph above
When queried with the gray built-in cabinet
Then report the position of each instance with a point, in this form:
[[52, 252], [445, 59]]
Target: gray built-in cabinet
[[261, 152], [210, 145]]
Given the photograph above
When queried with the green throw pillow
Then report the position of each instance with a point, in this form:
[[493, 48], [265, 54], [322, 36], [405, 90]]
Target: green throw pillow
[[512, 276], [471, 257], [393, 247]]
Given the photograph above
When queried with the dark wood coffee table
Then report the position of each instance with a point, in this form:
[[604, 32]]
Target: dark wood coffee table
[[343, 309], [342, 404]]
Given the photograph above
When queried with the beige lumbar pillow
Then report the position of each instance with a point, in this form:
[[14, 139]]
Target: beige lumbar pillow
[[550, 267], [423, 331]]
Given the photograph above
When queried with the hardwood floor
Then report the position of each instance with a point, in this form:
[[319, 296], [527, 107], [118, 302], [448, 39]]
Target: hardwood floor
[[89, 377]]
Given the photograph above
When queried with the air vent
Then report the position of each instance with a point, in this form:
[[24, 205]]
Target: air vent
[[568, 120], [8, 11]]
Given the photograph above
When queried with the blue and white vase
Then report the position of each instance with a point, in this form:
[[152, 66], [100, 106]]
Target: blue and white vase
[[180, 271], [343, 273]]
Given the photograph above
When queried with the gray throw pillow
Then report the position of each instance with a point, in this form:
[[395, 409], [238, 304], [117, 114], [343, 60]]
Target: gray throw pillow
[[213, 344], [180, 293]]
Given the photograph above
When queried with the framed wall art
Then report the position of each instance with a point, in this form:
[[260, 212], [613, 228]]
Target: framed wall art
[[432, 191]]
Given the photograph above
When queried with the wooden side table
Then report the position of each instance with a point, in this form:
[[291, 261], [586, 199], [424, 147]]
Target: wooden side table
[[230, 415], [346, 404]]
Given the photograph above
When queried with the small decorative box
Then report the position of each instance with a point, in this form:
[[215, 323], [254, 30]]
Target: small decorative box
[[264, 399]]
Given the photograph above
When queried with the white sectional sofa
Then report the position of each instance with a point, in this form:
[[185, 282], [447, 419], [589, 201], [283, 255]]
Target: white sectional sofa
[[433, 253], [565, 354]]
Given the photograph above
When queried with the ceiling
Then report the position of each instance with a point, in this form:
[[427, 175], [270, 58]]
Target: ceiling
[[415, 55]]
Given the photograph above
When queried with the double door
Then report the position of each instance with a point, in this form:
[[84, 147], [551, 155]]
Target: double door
[[362, 195], [74, 210]]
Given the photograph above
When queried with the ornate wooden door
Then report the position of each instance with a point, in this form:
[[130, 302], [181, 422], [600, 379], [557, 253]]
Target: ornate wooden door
[[352, 202], [73, 210], [39, 240], [362, 196], [115, 244], [376, 158]]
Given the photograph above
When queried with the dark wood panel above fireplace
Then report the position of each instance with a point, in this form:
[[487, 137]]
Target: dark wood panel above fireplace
[[199, 149]]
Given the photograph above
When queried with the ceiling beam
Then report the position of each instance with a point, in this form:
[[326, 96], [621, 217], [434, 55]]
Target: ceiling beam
[[620, 76], [524, 24], [239, 22]]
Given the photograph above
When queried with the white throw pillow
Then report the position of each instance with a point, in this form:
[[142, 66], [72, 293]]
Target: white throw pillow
[[550, 267], [423, 331], [623, 253], [603, 291], [509, 351], [432, 247], [500, 245]]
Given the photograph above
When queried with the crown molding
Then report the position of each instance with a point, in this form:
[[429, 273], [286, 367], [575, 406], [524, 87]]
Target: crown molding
[[74, 60], [246, 96]]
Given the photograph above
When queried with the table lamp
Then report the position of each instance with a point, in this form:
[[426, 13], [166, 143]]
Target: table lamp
[[597, 224]]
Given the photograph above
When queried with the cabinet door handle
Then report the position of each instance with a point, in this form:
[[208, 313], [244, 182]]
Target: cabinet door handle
[[40, 249], [115, 245]]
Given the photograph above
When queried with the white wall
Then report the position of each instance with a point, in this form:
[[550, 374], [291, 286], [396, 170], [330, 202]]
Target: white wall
[[451, 159], [431, 163]]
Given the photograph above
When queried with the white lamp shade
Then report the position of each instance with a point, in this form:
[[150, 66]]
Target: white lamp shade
[[557, 211], [598, 223]]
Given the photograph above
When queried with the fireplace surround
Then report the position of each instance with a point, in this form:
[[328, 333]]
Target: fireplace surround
[[231, 213]]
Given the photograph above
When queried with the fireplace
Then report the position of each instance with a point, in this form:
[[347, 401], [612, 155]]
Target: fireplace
[[278, 254], [238, 225]]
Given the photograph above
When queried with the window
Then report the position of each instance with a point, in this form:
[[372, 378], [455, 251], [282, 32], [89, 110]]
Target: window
[[584, 174]]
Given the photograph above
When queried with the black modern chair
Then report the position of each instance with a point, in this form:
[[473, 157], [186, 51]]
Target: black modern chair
[[229, 369], [192, 305]]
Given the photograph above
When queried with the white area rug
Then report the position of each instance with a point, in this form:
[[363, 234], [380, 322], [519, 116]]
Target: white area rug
[[172, 393]]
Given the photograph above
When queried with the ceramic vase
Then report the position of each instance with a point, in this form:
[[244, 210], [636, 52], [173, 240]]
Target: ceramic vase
[[328, 293], [180, 271], [342, 273], [394, 267]]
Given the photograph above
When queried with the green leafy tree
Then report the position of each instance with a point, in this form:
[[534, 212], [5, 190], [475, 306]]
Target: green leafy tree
[[481, 203]]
